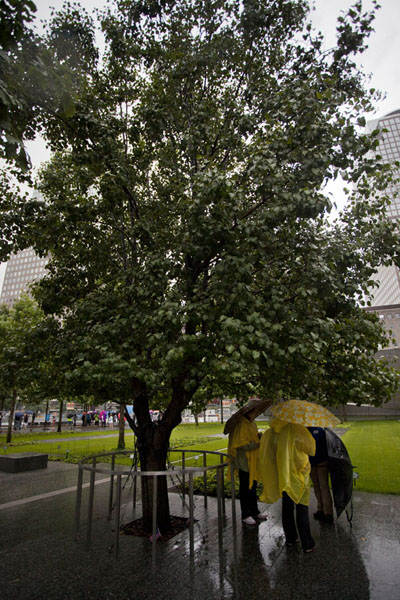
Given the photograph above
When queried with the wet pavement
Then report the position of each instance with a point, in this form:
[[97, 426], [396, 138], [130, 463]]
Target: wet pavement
[[39, 557]]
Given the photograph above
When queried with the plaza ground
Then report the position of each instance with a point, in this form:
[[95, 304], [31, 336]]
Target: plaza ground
[[41, 559]]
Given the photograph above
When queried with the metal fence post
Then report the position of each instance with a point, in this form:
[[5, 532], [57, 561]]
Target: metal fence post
[[183, 477], [222, 485], [90, 505], [233, 495], [205, 480], [78, 500], [117, 515], [154, 540], [219, 505], [110, 501], [191, 514]]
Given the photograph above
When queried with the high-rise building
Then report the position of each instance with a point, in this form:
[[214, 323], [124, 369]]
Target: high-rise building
[[22, 269], [388, 291]]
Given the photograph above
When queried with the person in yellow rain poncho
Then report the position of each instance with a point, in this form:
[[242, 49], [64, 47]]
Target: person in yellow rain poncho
[[284, 470], [243, 449]]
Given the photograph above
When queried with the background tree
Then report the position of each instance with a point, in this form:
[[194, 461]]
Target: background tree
[[184, 215], [17, 351]]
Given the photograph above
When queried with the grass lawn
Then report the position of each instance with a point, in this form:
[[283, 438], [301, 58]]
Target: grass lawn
[[67, 445], [374, 448]]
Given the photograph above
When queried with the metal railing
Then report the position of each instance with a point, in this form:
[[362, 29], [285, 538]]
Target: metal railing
[[184, 473]]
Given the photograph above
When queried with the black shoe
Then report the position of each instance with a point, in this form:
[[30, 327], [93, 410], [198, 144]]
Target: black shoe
[[319, 515], [329, 519], [292, 543]]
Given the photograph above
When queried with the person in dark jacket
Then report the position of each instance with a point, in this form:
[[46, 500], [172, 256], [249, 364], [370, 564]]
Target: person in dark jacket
[[320, 476]]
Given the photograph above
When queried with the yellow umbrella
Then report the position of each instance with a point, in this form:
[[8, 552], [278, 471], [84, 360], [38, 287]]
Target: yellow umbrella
[[304, 413]]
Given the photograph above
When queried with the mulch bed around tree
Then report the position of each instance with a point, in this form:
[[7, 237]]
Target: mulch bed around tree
[[136, 528]]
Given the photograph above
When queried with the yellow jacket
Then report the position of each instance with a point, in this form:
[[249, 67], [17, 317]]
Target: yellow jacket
[[245, 434], [284, 465]]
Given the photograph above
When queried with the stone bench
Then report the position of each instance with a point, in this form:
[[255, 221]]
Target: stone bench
[[23, 461]]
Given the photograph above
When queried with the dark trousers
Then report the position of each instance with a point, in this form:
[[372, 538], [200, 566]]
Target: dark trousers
[[248, 497], [320, 478], [302, 522]]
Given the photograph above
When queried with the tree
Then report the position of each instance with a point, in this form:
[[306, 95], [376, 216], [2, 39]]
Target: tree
[[184, 216], [18, 366]]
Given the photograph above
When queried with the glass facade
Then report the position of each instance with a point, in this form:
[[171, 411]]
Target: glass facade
[[22, 269], [388, 278]]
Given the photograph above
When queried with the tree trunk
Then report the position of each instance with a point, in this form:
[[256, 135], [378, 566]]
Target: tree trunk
[[121, 436], [154, 459], [60, 416], [11, 417], [196, 419], [222, 410], [46, 413]]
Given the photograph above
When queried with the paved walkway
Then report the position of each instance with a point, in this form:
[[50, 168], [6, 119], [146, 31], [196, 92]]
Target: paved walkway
[[40, 559]]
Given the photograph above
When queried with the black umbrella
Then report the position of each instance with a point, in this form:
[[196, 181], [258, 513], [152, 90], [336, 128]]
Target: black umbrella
[[340, 470]]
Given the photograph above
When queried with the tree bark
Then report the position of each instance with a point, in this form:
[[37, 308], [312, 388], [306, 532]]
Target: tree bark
[[60, 416], [121, 428]]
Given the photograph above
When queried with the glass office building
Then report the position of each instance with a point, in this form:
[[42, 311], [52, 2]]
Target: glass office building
[[22, 269], [388, 292]]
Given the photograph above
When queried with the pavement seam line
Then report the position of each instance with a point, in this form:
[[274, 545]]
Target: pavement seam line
[[47, 495]]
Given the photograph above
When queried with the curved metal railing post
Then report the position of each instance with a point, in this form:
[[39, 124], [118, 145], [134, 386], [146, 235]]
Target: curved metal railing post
[[154, 539], [233, 496], [205, 479], [117, 515], [183, 476], [78, 500], [219, 504], [191, 514], [134, 475], [111, 493], [221, 460], [90, 505]]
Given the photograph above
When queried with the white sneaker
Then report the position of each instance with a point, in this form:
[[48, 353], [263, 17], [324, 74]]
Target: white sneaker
[[250, 521], [261, 517]]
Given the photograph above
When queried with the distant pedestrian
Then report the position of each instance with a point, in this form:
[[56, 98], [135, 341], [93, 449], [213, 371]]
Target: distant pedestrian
[[96, 419], [111, 421], [74, 419], [26, 419], [83, 419], [88, 419]]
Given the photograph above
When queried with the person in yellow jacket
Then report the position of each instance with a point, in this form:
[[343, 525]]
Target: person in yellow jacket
[[284, 470], [243, 448]]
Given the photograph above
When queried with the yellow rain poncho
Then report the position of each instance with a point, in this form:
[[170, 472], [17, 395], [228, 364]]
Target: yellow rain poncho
[[283, 462], [244, 438]]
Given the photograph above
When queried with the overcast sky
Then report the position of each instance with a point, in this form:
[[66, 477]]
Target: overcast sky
[[381, 60]]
